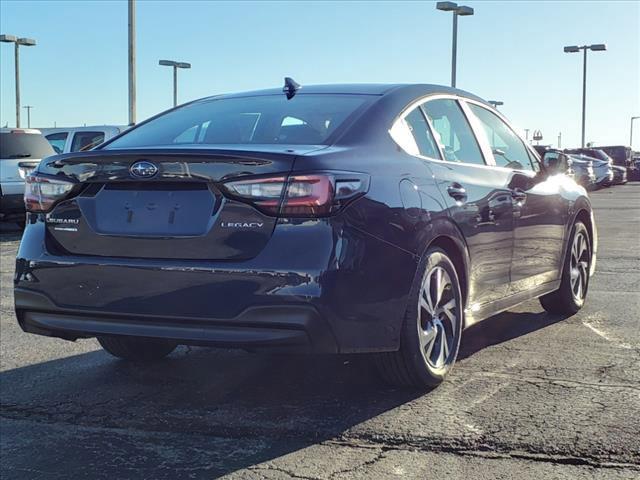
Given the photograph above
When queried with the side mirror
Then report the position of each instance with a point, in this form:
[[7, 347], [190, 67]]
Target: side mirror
[[554, 162]]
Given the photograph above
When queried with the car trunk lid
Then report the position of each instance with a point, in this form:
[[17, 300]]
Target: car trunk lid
[[179, 211]]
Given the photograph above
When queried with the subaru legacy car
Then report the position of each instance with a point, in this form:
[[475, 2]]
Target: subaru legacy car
[[20, 152], [382, 219]]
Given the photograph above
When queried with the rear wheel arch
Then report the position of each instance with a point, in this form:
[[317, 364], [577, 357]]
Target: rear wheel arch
[[455, 253]]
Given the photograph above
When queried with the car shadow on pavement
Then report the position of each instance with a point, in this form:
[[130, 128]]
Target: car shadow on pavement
[[215, 410], [502, 328]]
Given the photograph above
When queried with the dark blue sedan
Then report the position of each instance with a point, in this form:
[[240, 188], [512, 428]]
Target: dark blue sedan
[[379, 219]]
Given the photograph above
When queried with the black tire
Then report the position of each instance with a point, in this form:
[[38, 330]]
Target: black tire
[[412, 365], [567, 300], [137, 348]]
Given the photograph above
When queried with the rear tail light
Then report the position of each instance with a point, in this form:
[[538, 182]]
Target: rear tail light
[[312, 195], [42, 193]]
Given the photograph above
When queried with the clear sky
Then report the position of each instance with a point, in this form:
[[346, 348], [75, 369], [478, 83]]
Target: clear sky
[[509, 51]]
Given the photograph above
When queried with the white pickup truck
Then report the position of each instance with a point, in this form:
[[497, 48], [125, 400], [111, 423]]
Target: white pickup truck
[[74, 139]]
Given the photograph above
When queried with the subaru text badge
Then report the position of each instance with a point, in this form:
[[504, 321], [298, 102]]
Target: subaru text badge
[[143, 169]]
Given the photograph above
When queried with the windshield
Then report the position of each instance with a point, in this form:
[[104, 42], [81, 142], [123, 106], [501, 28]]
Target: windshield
[[270, 119], [24, 145]]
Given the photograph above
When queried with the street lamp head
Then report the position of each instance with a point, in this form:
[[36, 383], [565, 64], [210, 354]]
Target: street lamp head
[[27, 42], [598, 47], [167, 63], [572, 49], [464, 11], [183, 65], [496, 103], [8, 38], [447, 6]]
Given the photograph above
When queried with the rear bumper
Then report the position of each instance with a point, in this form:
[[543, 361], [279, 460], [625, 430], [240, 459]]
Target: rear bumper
[[318, 286], [288, 327]]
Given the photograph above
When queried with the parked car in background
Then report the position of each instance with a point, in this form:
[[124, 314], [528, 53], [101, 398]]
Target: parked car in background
[[74, 139], [20, 152], [622, 156], [558, 161], [338, 218], [602, 171], [634, 172], [619, 173]]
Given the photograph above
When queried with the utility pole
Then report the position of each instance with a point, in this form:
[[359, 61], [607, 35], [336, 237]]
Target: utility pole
[[176, 66], [631, 132], [559, 140], [28, 109], [599, 47], [132, 62], [27, 42], [457, 10]]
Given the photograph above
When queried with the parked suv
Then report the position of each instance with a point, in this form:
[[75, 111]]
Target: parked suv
[[75, 139], [342, 218], [20, 152]]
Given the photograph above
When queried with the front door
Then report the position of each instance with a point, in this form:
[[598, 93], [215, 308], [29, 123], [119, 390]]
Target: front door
[[540, 213]]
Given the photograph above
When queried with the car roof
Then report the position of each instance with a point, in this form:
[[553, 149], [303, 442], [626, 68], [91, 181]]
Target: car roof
[[19, 130], [379, 89], [88, 128]]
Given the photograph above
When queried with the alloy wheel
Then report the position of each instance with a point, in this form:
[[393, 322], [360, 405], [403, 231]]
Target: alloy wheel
[[438, 318], [579, 267]]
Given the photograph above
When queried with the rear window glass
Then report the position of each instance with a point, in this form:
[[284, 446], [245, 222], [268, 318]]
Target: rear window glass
[[270, 119], [24, 145], [86, 140]]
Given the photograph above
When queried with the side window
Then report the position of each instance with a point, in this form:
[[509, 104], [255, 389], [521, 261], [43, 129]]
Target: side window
[[422, 134], [455, 135], [57, 141], [86, 140], [508, 149]]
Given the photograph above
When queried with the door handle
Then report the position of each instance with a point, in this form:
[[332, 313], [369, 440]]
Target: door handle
[[457, 192], [518, 196]]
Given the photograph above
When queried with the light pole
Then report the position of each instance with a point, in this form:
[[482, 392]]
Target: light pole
[[131, 50], [496, 103], [631, 132], [176, 66], [458, 10], [28, 109], [598, 47], [27, 42]]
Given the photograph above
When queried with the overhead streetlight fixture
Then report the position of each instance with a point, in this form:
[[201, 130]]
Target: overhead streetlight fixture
[[27, 42], [17, 41], [495, 103], [176, 66], [596, 47], [458, 10]]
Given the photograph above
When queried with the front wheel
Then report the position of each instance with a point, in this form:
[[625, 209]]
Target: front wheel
[[136, 348], [569, 298], [432, 327]]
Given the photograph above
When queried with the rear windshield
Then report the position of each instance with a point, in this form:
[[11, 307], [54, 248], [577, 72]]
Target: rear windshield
[[24, 145], [303, 120]]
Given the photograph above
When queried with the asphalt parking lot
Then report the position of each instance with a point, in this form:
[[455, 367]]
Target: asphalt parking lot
[[533, 396]]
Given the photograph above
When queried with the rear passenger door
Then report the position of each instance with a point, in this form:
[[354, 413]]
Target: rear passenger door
[[478, 199], [540, 211]]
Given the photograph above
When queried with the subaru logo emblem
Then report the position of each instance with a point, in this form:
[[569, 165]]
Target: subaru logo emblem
[[143, 169]]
